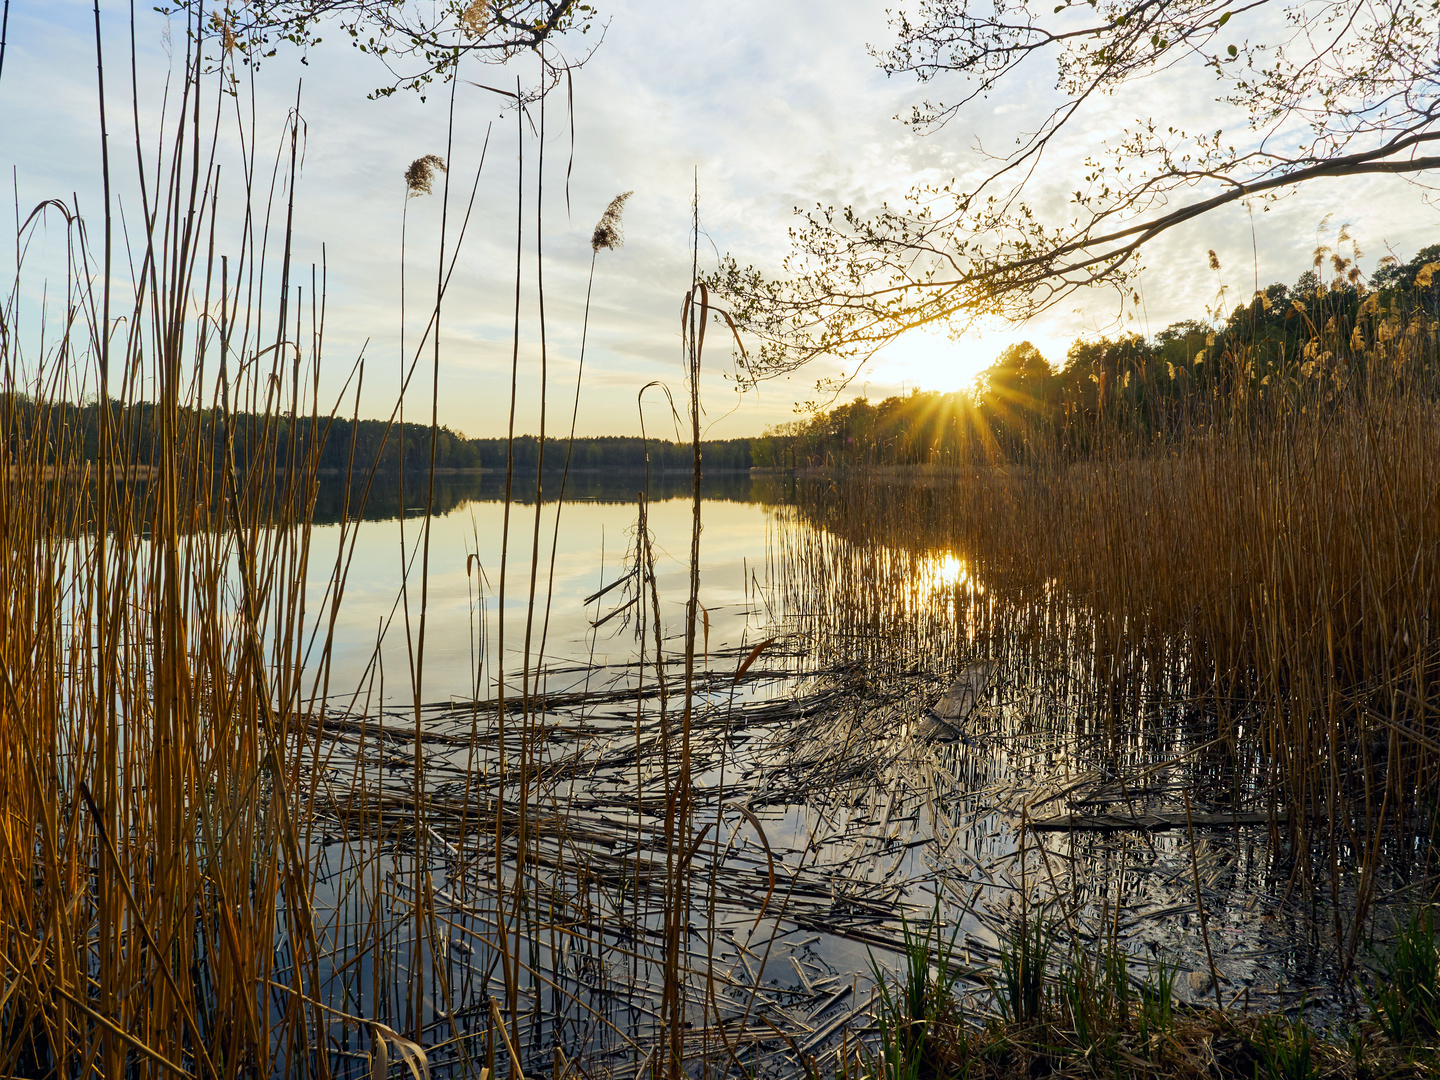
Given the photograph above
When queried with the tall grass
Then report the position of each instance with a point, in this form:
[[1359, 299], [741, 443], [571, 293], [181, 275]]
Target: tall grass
[[215, 862], [155, 651], [1273, 569], [163, 684], [1295, 554]]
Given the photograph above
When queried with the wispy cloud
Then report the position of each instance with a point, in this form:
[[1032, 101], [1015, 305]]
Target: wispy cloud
[[772, 107]]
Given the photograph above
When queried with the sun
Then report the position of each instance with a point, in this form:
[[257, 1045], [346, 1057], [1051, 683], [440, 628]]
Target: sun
[[925, 360]]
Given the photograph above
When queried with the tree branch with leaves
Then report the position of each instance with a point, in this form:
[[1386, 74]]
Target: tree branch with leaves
[[417, 41], [1324, 89]]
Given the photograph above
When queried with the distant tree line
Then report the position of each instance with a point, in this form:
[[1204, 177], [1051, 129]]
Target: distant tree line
[[70, 433], [1330, 326], [618, 452], [1285, 344]]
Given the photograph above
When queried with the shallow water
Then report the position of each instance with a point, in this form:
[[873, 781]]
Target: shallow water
[[826, 816], [597, 526]]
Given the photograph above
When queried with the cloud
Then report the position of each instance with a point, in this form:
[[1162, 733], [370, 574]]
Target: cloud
[[762, 107]]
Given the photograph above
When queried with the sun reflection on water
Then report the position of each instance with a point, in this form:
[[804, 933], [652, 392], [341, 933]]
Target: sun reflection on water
[[943, 571]]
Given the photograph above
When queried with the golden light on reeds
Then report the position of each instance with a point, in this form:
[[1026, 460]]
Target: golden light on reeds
[[945, 571], [1276, 561]]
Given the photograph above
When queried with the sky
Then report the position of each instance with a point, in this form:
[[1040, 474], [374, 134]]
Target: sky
[[761, 107]]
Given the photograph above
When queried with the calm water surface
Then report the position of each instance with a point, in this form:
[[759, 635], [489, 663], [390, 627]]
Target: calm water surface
[[595, 538], [882, 764]]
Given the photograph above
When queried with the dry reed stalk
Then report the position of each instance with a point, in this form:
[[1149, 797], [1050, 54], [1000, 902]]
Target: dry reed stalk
[[509, 962], [606, 236], [1279, 560], [154, 649]]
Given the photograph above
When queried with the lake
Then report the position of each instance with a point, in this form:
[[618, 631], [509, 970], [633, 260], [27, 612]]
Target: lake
[[590, 550], [919, 747]]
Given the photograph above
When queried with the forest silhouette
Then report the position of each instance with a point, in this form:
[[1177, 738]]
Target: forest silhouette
[[1190, 375]]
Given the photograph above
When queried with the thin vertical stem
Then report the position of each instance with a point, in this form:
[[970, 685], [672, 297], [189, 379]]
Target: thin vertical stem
[[510, 963]]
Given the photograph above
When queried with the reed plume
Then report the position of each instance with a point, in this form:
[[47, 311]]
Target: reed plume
[[420, 174], [607, 232]]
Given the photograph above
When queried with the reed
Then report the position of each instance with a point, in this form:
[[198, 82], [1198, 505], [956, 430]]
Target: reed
[[168, 899], [1274, 568], [155, 650], [211, 867]]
